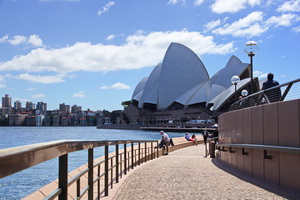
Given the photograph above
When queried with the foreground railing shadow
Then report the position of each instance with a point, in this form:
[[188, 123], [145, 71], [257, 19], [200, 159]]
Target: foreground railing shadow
[[101, 173]]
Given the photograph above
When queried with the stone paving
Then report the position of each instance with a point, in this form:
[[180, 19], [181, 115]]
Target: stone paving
[[186, 174]]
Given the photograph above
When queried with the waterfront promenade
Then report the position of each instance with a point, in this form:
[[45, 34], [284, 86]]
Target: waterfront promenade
[[186, 174]]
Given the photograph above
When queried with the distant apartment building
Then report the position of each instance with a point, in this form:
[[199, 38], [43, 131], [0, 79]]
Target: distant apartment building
[[47, 120], [30, 105], [30, 120], [56, 120], [5, 111], [39, 120], [65, 121], [41, 106], [82, 122], [64, 108], [17, 106], [6, 101], [76, 109], [17, 119]]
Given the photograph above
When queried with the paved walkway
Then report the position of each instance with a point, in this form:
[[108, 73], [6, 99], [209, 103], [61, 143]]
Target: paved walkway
[[186, 174]]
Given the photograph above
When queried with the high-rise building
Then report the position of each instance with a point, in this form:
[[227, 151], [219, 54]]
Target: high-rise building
[[30, 105], [76, 109], [41, 106], [64, 108], [6, 101], [17, 105]]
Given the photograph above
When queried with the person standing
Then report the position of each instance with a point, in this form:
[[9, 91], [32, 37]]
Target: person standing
[[166, 140], [273, 95]]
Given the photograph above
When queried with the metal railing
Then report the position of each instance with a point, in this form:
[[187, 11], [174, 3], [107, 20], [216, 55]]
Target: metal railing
[[287, 91], [15, 159], [265, 148]]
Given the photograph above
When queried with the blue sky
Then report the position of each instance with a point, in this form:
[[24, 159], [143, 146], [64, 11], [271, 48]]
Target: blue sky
[[93, 53]]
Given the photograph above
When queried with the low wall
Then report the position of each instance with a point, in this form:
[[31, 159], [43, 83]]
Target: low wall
[[180, 142], [276, 124]]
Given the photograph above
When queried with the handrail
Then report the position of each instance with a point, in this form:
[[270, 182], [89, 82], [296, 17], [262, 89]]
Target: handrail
[[285, 149], [265, 96], [16, 159]]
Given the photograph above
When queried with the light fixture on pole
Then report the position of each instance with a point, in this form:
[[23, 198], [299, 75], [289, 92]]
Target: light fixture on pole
[[244, 93], [234, 80], [251, 49]]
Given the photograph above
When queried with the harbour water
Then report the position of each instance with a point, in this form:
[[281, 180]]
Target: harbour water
[[25, 182]]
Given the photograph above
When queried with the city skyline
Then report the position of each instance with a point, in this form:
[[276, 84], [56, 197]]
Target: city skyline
[[94, 53]]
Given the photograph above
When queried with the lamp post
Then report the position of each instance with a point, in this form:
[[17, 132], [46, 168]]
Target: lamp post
[[234, 80], [244, 93], [251, 49]]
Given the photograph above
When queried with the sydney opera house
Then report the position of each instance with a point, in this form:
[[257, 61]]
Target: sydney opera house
[[179, 89]]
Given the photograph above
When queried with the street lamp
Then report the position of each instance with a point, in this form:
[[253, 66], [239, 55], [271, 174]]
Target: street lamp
[[234, 80], [244, 93], [251, 49]]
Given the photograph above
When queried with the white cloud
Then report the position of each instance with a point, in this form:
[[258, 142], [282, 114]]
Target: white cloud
[[35, 40], [18, 39], [110, 37], [4, 39], [253, 24], [58, 0], [139, 51], [290, 6], [41, 79], [120, 86], [198, 2], [117, 86], [79, 94], [260, 75], [296, 29], [106, 8], [104, 87], [30, 89], [249, 26], [2, 85], [232, 6], [20, 99], [283, 20], [40, 95], [173, 2], [212, 24]]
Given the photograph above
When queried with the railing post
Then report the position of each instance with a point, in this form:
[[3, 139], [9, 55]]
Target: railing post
[[286, 92], [78, 188], [91, 173], [106, 171], [152, 151], [125, 159], [63, 176], [132, 158], [117, 163], [111, 173], [145, 151], [139, 153], [157, 150], [98, 176]]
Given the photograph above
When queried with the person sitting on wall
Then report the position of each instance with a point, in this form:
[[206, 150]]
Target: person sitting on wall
[[188, 138], [273, 95], [166, 141]]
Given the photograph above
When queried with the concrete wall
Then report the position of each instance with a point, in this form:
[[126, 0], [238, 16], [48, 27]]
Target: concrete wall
[[275, 124]]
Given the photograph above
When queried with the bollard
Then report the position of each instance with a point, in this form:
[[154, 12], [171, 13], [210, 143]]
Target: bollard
[[212, 147]]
